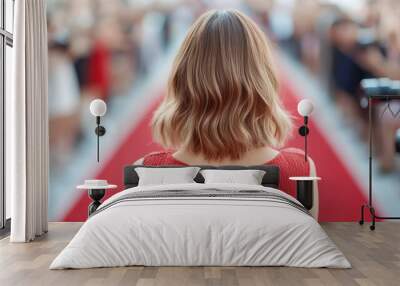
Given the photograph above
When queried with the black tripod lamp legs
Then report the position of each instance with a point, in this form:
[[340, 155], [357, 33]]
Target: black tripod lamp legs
[[372, 226], [373, 216], [361, 221]]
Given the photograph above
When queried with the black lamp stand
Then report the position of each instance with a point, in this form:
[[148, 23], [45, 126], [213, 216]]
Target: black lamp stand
[[304, 131], [100, 131], [96, 195], [304, 193]]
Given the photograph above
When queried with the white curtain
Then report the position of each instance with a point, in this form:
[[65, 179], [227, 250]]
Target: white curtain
[[27, 123]]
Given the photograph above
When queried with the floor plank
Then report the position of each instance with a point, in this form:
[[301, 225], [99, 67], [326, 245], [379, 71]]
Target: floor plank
[[375, 257]]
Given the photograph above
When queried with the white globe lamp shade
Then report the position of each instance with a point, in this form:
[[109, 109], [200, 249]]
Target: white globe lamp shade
[[98, 107], [305, 107]]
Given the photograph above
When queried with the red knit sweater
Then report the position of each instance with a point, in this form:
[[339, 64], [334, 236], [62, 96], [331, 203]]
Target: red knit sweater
[[290, 162]]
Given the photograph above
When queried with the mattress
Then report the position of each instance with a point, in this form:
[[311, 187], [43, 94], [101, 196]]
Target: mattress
[[201, 225]]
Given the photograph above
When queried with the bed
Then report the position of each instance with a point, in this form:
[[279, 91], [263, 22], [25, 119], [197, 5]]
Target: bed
[[198, 224]]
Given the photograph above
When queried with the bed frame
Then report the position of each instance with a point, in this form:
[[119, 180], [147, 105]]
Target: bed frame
[[270, 179]]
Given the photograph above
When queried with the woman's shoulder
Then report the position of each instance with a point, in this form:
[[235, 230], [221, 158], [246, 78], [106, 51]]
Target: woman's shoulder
[[292, 153], [155, 158], [291, 158], [158, 158]]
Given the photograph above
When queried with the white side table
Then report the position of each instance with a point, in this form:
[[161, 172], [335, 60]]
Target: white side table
[[304, 190], [96, 193]]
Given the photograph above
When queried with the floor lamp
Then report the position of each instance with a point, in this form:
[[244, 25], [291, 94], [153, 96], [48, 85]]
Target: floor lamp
[[376, 89]]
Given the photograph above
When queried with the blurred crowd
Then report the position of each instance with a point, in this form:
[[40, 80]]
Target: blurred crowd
[[343, 42], [103, 48]]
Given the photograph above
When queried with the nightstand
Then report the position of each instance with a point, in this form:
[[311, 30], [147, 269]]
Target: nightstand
[[96, 190], [304, 190]]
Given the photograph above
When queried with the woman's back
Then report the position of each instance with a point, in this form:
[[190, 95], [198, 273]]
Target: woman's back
[[222, 106]]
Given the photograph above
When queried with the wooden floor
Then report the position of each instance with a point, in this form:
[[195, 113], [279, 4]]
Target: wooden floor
[[375, 257]]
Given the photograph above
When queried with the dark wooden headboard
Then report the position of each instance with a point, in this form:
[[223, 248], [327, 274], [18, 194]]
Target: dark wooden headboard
[[270, 179]]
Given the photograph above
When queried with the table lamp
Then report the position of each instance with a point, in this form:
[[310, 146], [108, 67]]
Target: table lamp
[[98, 108]]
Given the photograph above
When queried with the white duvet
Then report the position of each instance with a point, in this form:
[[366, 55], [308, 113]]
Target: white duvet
[[200, 231]]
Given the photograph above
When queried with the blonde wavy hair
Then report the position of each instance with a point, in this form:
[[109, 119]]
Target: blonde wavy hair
[[222, 95]]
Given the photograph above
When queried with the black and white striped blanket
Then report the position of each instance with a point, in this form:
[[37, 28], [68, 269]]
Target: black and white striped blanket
[[205, 194]]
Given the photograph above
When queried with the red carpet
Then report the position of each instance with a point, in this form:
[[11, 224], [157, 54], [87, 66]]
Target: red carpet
[[340, 196]]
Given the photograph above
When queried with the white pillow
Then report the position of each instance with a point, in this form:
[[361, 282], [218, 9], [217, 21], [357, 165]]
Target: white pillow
[[162, 176], [248, 177]]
